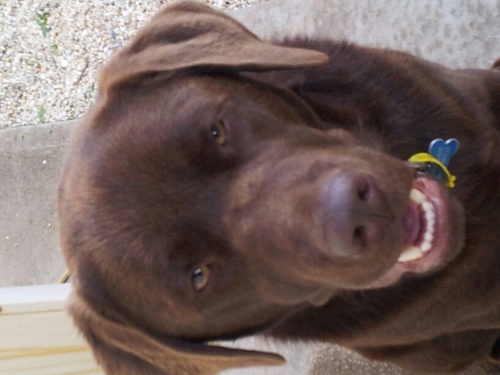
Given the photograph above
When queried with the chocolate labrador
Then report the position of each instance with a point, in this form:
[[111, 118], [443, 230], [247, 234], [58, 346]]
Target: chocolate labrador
[[223, 186]]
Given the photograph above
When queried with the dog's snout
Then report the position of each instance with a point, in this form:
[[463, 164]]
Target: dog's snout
[[355, 213]]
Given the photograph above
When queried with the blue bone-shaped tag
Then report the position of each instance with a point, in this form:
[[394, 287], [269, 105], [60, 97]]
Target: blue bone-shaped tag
[[443, 151]]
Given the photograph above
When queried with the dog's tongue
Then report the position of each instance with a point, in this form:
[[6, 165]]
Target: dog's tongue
[[411, 223], [419, 224]]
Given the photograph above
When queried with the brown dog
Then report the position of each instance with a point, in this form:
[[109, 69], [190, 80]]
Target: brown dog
[[222, 186]]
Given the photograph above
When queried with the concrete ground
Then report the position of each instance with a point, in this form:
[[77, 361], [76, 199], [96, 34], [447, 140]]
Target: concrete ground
[[457, 33]]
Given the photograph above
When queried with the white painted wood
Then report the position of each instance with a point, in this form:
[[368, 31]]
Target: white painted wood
[[21, 299], [37, 337]]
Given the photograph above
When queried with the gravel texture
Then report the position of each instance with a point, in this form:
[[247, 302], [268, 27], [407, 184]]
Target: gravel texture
[[50, 52]]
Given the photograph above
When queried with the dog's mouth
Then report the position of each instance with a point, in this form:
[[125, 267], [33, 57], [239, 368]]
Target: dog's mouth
[[419, 225], [426, 229]]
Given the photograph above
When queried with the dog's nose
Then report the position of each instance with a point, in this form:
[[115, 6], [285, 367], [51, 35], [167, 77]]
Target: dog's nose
[[355, 215]]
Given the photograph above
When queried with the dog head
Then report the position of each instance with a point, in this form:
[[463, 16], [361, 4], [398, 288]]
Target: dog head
[[199, 204], [184, 36]]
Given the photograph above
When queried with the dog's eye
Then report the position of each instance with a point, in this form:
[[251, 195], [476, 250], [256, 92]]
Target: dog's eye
[[200, 277], [219, 132]]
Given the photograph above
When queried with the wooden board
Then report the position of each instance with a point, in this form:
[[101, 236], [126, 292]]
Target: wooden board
[[37, 337]]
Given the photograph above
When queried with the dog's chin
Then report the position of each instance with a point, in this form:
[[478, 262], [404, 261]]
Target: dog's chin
[[433, 226]]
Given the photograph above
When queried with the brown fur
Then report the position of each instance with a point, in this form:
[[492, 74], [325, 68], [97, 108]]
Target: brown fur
[[315, 138]]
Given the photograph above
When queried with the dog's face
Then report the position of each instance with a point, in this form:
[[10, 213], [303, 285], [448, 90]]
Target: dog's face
[[198, 204]]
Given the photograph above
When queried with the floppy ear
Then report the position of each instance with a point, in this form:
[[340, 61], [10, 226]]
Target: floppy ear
[[124, 350], [189, 34]]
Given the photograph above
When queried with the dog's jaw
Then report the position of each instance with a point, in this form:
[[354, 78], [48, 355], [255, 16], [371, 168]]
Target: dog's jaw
[[419, 223], [434, 228]]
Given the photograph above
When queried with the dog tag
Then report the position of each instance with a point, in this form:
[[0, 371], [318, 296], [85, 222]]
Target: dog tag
[[443, 151], [427, 164], [435, 163]]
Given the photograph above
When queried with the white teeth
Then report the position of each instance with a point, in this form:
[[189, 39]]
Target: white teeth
[[428, 237], [416, 196], [411, 253], [427, 206], [425, 246], [416, 252]]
